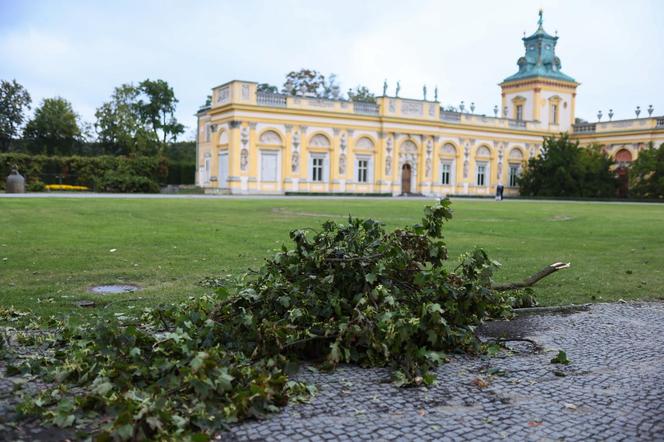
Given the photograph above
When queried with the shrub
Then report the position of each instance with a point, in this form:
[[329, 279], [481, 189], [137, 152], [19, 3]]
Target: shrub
[[564, 169], [119, 182], [646, 174]]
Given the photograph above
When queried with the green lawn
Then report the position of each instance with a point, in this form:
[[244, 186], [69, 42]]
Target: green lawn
[[53, 250]]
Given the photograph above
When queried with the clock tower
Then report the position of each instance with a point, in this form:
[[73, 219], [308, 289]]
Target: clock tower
[[540, 91]]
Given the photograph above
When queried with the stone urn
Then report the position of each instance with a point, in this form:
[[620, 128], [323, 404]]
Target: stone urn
[[15, 182]]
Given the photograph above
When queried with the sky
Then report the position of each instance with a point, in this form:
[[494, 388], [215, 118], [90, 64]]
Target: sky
[[82, 50]]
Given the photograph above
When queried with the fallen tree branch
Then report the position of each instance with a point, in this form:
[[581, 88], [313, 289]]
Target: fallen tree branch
[[530, 281]]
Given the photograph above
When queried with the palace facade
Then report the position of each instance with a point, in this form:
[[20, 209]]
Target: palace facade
[[250, 142]]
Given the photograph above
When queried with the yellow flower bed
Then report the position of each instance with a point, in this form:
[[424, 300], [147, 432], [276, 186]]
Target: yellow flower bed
[[65, 187]]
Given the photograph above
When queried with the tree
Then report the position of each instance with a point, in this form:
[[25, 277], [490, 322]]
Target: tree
[[14, 101], [565, 169], [156, 107], [119, 125], [646, 173], [54, 129], [361, 93], [311, 83], [267, 88]]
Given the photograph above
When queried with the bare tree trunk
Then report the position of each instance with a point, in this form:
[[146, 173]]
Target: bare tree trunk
[[530, 281]]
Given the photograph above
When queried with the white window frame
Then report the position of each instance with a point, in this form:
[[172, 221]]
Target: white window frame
[[324, 167], [369, 168], [223, 183], [485, 176], [451, 176], [277, 166], [519, 112], [513, 166]]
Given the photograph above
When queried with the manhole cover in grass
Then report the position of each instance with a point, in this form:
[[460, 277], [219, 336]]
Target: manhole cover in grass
[[114, 288]]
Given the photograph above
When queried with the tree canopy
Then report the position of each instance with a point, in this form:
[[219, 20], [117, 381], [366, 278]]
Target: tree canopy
[[14, 101], [646, 173], [139, 119], [361, 94], [564, 169], [54, 129], [311, 82]]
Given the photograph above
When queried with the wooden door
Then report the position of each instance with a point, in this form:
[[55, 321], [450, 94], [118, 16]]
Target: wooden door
[[405, 178]]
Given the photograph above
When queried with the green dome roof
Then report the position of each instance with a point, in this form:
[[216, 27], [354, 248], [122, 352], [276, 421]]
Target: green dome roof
[[540, 59]]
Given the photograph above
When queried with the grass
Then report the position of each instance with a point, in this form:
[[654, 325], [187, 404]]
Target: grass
[[53, 250]]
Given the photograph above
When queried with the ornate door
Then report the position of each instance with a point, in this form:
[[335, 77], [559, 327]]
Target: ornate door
[[405, 178]]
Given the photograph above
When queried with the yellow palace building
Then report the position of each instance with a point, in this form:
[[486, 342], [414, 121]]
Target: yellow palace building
[[250, 142]]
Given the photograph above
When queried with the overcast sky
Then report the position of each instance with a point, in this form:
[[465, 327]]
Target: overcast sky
[[81, 50]]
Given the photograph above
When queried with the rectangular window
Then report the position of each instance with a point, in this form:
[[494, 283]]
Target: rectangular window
[[269, 162], [446, 173], [554, 112], [519, 112], [317, 169], [362, 170], [514, 175], [481, 174], [208, 133]]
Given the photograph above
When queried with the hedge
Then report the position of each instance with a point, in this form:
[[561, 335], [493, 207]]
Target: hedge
[[101, 173]]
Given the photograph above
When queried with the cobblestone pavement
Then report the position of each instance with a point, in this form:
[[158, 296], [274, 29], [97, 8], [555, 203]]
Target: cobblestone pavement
[[612, 390]]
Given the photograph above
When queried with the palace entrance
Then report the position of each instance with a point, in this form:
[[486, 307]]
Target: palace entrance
[[405, 179]]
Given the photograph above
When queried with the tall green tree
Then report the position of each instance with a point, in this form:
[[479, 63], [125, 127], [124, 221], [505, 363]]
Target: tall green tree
[[156, 107], [646, 173], [564, 169], [362, 94], [313, 83], [267, 88], [119, 124], [14, 102], [54, 129]]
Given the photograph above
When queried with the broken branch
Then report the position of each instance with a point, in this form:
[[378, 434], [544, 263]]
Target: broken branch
[[530, 281]]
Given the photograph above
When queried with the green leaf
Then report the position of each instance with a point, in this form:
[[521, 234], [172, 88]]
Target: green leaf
[[561, 358]]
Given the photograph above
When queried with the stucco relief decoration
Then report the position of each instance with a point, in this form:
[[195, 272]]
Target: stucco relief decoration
[[295, 156], [223, 137], [408, 153], [449, 149], [388, 158], [466, 157], [343, 143], [245, 91], [319, 141], [427, 164], [342, 164], [501, 154], [516, 154], [411, 108], [364, 143], [244, 153], [270, 137], [224, 95], [483, 151]]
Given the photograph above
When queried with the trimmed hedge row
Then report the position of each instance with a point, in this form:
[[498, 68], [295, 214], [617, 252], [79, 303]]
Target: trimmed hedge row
[[101, 173]]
